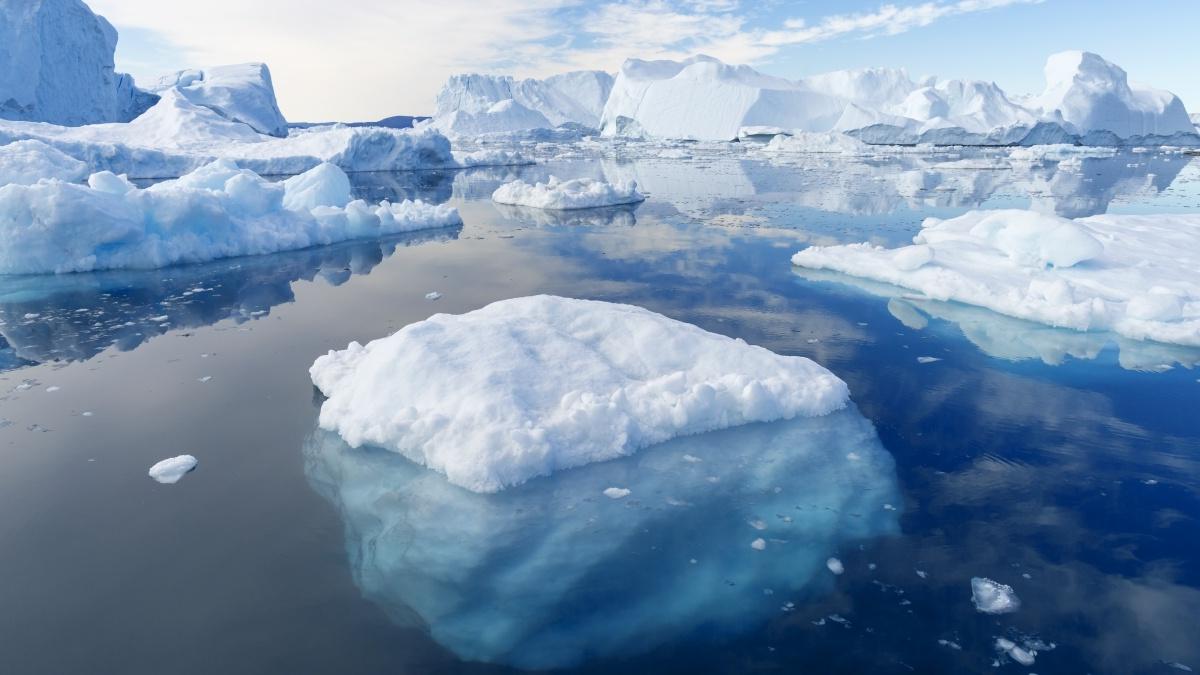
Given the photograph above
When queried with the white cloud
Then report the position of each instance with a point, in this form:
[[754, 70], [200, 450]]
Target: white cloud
[[366, 59]]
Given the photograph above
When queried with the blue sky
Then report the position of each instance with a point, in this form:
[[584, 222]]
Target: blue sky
[[366, 59]]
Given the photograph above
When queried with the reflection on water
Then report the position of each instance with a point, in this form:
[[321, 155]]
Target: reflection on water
[[545, 574], [73, 317]]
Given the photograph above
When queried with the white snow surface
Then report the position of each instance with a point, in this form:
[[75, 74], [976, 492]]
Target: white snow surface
[[56, 65], [27, 162], [529, 386], [992, 597], [240, 93], [1133, 275], [170, 471], [578, 193], [217, 211]]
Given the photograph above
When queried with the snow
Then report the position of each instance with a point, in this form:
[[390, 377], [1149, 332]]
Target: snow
[[991, 597], [1132, 275], [479, 104], [170, 471], [579, 193], [525, 387], [58, 66], [240, 93], [217, 211], [490, 576], [27, 162]]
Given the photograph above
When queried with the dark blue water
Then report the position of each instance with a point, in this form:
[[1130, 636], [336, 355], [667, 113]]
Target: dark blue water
[[1062, 464]]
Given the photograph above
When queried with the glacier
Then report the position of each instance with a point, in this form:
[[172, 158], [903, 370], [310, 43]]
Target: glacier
[[555, 571], [525, 387], [216, 211], [1132, 275]]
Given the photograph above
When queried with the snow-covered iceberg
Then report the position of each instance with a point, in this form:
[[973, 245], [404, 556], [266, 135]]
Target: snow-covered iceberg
[[578, 193], [1133, 275], [27, 162], [240, 93], [217, 211], [472, 105], [56, 65], [555, 571], [526, 387]]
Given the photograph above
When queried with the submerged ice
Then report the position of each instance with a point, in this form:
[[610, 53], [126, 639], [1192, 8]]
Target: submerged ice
[[553, 571], [526, 387]]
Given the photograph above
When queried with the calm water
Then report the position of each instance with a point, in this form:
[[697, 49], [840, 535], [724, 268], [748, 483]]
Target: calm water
[[1063, 464]]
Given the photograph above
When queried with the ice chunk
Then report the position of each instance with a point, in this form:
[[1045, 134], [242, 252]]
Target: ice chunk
[[547, 574], [835, 566], [616, 493], [171, 470], [240, 93], [759, 544], [1129, 274], [27, 162], [529, 386], [1019, 654], [215, 212], [579, 193], [991, 597]]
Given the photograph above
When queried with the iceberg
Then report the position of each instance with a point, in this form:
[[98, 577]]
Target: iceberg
[[217, 211], [525, 387], [554, 572], [56, 66], [170, 471], [1133, 275], [991, 597], [27, 162], [239, 93], [579, 193], [480, 104]]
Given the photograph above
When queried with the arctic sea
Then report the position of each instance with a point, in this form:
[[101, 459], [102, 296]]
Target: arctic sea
[[1062, 464]]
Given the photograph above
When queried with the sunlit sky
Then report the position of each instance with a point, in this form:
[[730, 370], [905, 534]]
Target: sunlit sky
[[357, 60]]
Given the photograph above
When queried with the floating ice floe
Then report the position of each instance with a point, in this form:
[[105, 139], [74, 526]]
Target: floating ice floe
[[525, 387], [579, 193], [492, 576], [217, 211], [991, 597], [169, 471], [1019, 654], [1131, 275]]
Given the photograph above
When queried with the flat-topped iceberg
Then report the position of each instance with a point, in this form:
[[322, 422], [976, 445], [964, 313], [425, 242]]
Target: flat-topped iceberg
[[614, 558], [217, 211], [579, 193], [526, 387], [1133, 275]]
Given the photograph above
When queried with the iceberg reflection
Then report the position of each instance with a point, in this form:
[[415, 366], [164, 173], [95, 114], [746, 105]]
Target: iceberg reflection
[[551, 572]]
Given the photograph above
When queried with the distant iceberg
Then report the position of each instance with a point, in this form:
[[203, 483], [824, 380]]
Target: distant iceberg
[[217, 211], [240, 93], [554, 572], [526, 387], [1132, 275], [472, 105]]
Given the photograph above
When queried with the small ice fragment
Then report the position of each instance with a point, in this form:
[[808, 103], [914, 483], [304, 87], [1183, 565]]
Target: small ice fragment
[[991, 597], [159, 319], [32, 315], [692, 458], [835, 566], [951, 644], [922, 573], [206, 378], [433, 295], [87, 413], [758, 524], [927, 359], [1019, 654], [888, 507], [759, 544], [616, 492], [1179, 666], [171, 470], [53, 388]]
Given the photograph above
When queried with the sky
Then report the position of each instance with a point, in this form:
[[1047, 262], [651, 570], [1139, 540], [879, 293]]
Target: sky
[[361, 60]]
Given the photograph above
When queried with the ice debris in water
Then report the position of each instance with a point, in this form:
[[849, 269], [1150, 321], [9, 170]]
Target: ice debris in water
[[580, 193], [991, 597], [433, 295], [528, 386], [171, 470], [1019, 654], [835, 566], [759, 544], [927, 359], [427, 551], [616, 492]]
